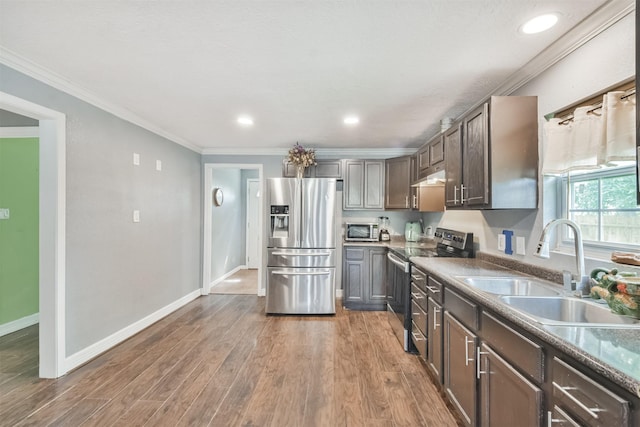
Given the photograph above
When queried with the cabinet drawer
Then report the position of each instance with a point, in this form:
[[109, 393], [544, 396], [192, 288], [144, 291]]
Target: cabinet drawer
[[419, 317], [519, 350], [355, 254], [585, 399], [462, 308], [419, 297], [419, 277], [434, 289], [419, 340]]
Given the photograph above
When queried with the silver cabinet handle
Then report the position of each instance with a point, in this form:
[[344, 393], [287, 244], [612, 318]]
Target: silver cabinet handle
[[311, 254], [417, 337], [455, 195], [433, 289], [478, 361], [416, 296], [467, 341], [296, 273], [415, 201], [406, 201], [563, 390], [462, 188], [417, 278], [435, 318]]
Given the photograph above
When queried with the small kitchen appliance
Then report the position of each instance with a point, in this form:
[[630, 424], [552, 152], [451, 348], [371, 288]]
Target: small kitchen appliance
[[412, 231], [384, 229], [362, 232]]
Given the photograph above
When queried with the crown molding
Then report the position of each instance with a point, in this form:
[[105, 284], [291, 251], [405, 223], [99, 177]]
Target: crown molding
[[327, 153], [44, 75], [601, 19]]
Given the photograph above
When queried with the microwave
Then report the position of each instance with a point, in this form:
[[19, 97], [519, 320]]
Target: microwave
[[361, 232]]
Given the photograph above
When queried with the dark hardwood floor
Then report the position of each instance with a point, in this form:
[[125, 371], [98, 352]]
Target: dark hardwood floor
[[219, 361]]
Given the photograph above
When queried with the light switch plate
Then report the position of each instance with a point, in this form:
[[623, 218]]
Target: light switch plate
[[4, 213], [158, 165], [136, 216], [136, 159], [502, 242], [520, 246]]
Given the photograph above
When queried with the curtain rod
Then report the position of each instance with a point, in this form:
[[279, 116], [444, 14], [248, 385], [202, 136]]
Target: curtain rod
[[597, 106]]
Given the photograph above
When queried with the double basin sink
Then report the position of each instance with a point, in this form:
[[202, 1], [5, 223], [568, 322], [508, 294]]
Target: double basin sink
[[546, 305]]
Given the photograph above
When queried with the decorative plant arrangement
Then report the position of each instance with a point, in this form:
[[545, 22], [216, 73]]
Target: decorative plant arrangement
[[302, 158]]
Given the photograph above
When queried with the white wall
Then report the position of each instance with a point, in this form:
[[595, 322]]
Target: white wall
[[602, 62], [227, 226], [118, 272]]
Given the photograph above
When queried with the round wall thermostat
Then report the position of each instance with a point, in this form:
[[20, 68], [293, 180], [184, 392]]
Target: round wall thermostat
[[218, 197]]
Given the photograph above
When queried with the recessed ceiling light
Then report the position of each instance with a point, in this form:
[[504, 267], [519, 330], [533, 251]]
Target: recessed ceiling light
[[351, 120], [539, 23], [245, 121]]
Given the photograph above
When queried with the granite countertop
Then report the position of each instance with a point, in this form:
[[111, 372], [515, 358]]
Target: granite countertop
[[611, 352]]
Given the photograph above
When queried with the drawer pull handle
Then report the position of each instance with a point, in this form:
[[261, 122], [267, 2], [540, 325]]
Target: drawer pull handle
[[417, 278], [590, 411], [416, 296], [417, 337], [478, 361], [433, 289], [435, 318], [467, 341]]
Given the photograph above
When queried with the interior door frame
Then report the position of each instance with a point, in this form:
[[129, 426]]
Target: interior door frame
[[52, 231], [207, 205], [248, 236]]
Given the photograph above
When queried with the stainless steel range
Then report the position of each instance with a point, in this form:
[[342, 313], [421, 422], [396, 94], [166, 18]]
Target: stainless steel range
[[449, 243]]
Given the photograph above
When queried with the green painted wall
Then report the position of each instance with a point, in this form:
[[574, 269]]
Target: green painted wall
[[19, 234]]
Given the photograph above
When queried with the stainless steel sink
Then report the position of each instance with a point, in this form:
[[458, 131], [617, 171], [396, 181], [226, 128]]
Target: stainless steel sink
[[567, 310], [510, 286]]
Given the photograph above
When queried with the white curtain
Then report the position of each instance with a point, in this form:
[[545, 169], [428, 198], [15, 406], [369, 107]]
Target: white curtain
[[594, 137]]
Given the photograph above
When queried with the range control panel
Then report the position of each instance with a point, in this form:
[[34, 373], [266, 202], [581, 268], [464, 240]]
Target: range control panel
[[453, 238]]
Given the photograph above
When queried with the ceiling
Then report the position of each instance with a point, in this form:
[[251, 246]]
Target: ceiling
[[188, 68]]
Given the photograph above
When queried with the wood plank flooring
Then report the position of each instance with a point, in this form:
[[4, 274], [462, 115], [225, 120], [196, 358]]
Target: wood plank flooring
[[219, 361], [242, 282]]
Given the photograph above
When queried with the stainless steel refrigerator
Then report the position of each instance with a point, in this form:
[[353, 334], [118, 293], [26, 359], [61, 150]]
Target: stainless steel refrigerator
[[301, 246]]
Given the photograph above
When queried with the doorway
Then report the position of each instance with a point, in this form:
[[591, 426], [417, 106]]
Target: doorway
[[51, 232], [232, 252]]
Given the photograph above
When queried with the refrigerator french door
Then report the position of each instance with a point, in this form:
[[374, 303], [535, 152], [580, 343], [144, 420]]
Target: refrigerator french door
[[301, 246]]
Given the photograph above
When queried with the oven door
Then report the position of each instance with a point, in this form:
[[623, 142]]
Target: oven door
[[397, 297]]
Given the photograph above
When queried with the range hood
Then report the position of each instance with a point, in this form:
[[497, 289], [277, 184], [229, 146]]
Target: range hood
[[436, 178]]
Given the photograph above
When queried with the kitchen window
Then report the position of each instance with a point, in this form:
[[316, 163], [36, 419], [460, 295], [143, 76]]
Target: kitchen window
[[603, 204]]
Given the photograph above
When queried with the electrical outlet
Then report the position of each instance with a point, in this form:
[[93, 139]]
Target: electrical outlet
[[136, 159], [136, 216], [502, 242], [4, 213], [520, 246]]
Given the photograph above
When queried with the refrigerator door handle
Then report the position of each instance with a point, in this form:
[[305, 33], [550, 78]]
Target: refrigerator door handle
[[310, 254], [297, 273]]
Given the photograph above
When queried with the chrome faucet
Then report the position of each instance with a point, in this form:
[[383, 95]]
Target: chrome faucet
[[580, 282]]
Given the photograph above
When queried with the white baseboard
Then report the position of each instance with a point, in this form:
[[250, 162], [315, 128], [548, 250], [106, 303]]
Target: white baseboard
[[229, 274], [338, 293], [83, 356], [16, 325]]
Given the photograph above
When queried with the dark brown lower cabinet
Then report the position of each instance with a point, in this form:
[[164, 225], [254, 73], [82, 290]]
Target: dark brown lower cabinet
[[507, 398], [460, 381]]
